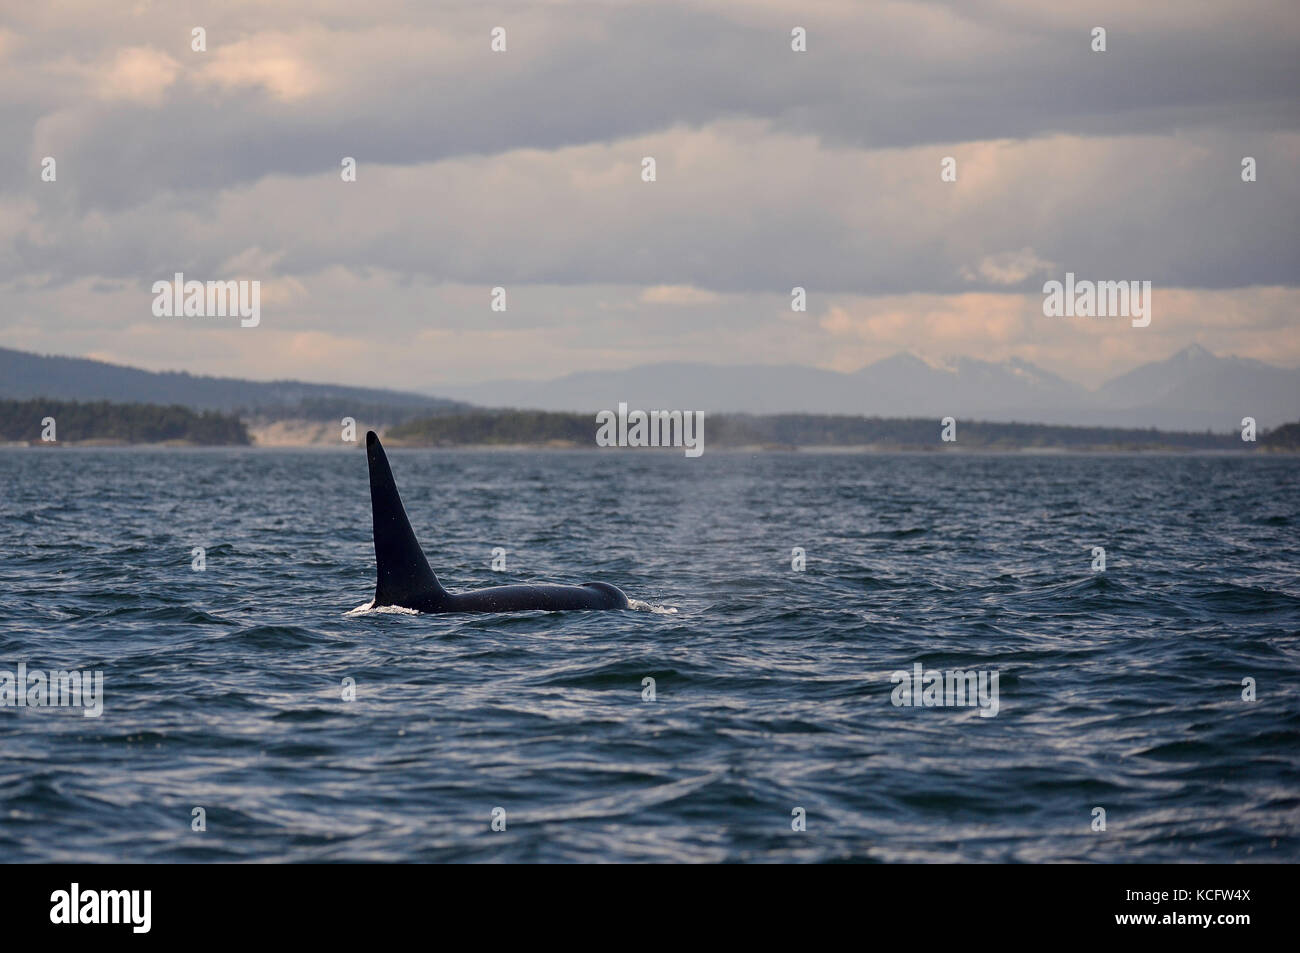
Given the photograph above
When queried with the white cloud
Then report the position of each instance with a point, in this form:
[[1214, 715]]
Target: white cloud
[[137, 74], [1008, 268]]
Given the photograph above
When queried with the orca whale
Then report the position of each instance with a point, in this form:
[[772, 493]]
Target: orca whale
[[403, 576]]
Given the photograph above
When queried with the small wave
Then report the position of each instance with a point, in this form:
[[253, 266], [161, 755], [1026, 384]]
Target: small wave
[[617, 805], [133, 613], [273, 636], [370, 608], [636, 605]]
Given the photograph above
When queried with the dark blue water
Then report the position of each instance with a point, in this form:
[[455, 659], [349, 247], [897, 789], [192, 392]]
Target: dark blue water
[[223, 688]]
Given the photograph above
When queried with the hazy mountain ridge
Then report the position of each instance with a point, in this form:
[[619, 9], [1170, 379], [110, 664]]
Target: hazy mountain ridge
[[1191, 390], [24, 376]]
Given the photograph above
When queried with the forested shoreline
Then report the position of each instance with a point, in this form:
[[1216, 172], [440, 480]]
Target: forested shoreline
[[814, 431], [81, 422], [73, 422]]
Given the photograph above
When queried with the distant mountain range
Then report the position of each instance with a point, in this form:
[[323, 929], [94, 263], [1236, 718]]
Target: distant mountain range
[[1192, 390], [24, 376]]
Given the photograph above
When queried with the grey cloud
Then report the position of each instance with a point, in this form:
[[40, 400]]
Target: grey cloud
[[736, 208], [883, 77]]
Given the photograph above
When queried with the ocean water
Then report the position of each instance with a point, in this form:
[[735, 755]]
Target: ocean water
[[773, 699]]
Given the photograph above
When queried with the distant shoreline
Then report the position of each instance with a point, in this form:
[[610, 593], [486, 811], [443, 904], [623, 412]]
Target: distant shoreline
[[45, 424], [811, 450]]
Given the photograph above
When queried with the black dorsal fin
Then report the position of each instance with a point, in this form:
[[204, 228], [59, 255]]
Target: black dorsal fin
[[403, 576]]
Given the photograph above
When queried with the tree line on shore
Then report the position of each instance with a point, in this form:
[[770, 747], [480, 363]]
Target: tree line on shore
[[79, 421], [36, 421], [530, 427]]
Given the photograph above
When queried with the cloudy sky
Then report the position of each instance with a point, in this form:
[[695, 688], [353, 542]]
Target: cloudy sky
[[522, 169]]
